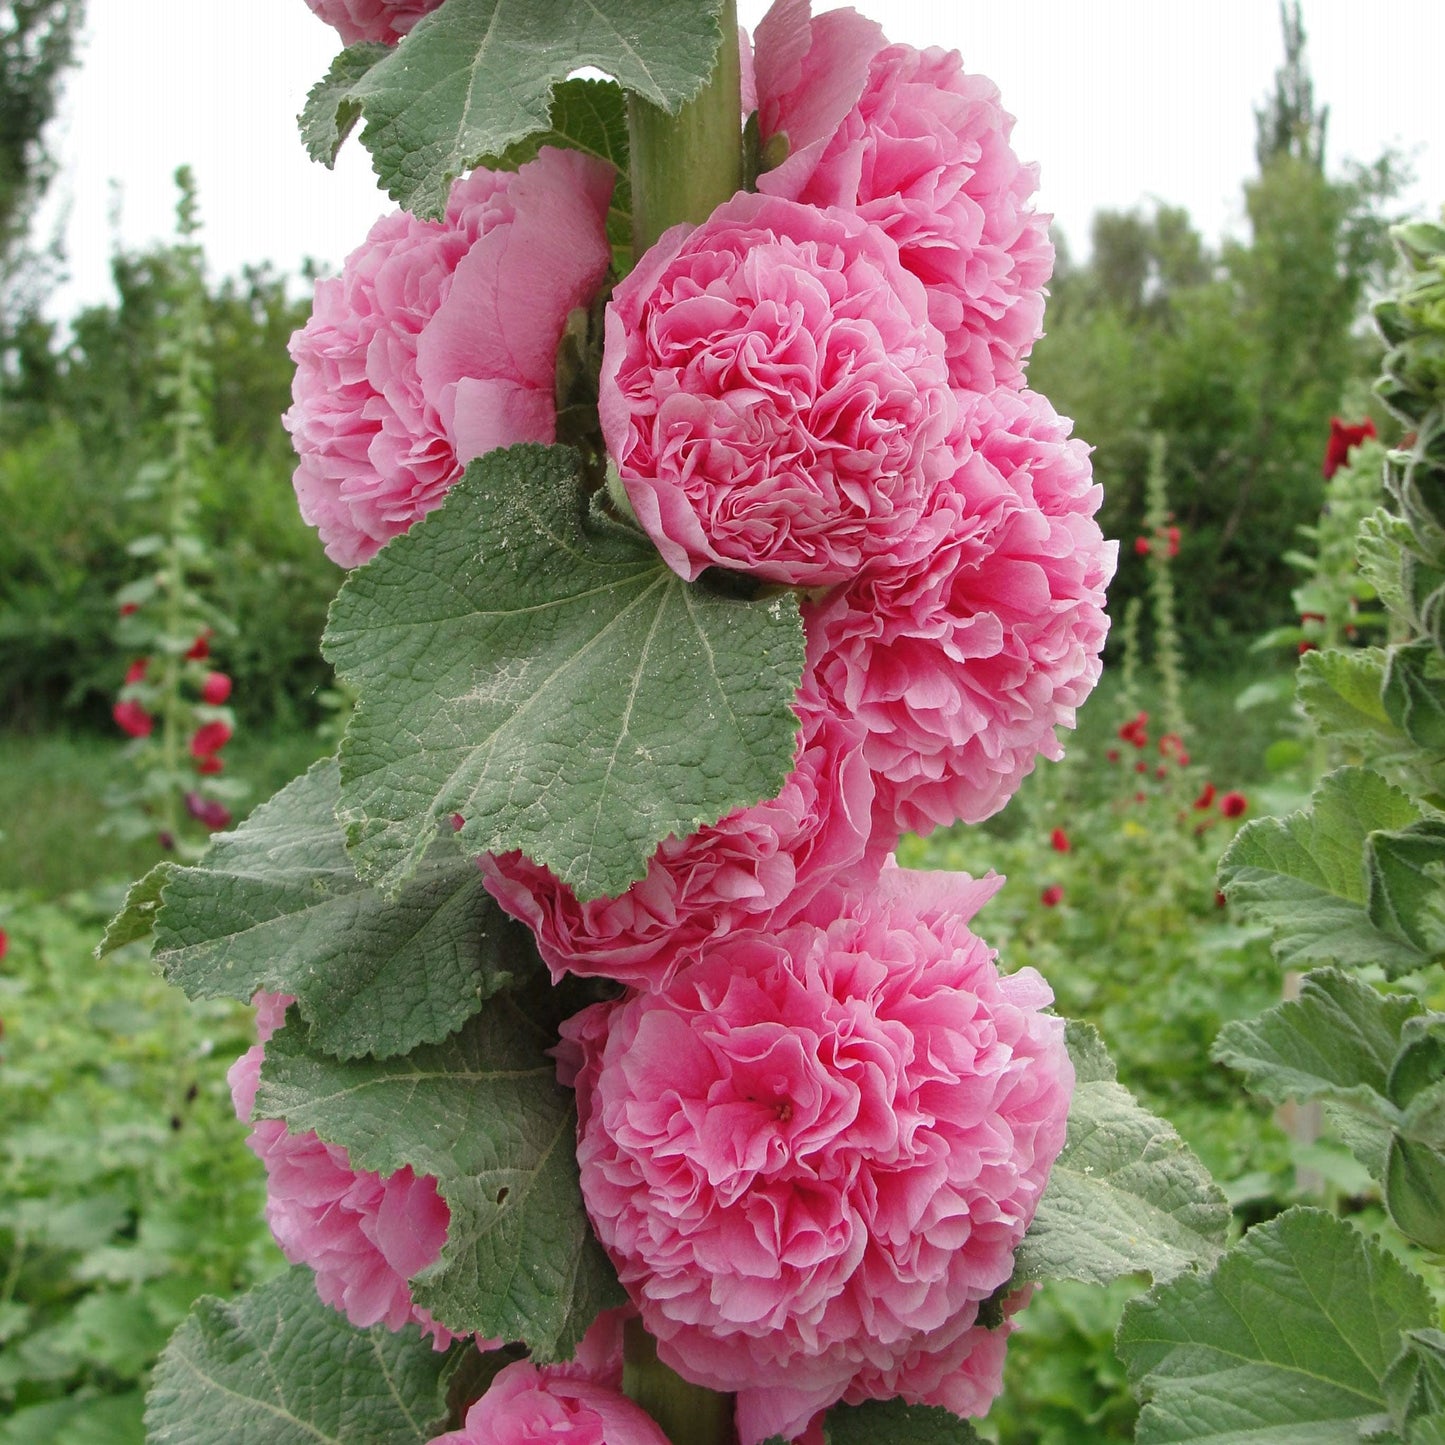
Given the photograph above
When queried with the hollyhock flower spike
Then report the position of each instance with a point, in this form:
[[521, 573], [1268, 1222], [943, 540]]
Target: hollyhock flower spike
[[774, 395], [812, 1156], [528, 1406], [961, 666], [383, 22], [364, 1236], [438, 342], [923, 153]]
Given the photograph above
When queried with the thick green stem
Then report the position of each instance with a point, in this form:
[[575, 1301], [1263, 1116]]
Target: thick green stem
[[686, 165], [688, 1414]]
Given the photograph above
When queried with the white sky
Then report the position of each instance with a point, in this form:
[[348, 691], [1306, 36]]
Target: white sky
[[1121, 101]]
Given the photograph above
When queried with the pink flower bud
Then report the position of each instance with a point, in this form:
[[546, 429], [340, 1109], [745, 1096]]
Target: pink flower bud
[[209, 738], [216, 688], [132, 718]]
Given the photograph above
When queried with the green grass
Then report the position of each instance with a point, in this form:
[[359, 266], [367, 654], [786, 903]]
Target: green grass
[[50, 805]]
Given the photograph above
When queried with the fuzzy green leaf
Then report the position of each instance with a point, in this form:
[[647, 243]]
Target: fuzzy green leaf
[[1125, 1195], [137, 915], [896, 1423], [1405, 894], [545, 676], [331, 112], [278, 1365], [1287, 1342], [476, 76], [1338, 1040], [484, 1115], [1339, 690], [276, 905], [1304, 875]]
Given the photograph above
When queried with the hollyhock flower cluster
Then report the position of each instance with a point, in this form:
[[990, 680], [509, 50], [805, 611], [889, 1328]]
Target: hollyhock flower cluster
[[774, 396], [364, 1236], [812, 1155], [438, 342], [382, 21], [920, 149]]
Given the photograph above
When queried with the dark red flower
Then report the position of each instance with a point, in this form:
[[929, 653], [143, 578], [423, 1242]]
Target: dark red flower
[[1311, 617], [4, 943], [1141, 546], [216, 688], [1112, 755], [208, 811], [137, 670], [1141, 766], [1219, 899], [1052, 896], [209, 764], [1161, 771], [132, 718], [1307, 646], [1059, 841], [167, 840], [210, 737], [1173, 535], [201, 647], [1206, 797], [1232, 805], [129, 609], [1136, 730], [1343, 439]]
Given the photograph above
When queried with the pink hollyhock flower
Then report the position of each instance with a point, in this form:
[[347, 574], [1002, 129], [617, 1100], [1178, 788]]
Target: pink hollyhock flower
[[438, 342], [774, 396], [1344, 438], [962, 666], [813, 1155], [381, 21], [921, 150], [130, 717], [216, 688], [209, 738], [528, 1406], [364, 1236], [758, 866], [1234, 805]]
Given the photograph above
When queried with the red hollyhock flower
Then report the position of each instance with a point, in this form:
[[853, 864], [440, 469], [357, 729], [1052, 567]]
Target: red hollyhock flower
[[209, 738], [216, 688], [1141, 546], [209, 764], [1112, 755], [208, 811], [1052, 896], [4, 943], [129, 609], [1206, 797], [1343, 439], [1173, 535], [201, 647], [133, 719], [1059, 841], [1136, 730], [1232, 805], [137, 670]]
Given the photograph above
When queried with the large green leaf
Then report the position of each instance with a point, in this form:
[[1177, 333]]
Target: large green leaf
[[1339, 690], [1304, 876], [476, 76], [331, 111], [1287, 1342], [137, 915], [276, 905], [544, 675], [896, 1423], [484, 1115], [1125, 1195], [1337, 1040], [279, 1366]]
